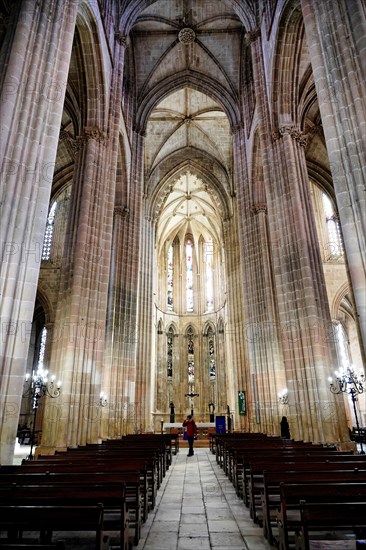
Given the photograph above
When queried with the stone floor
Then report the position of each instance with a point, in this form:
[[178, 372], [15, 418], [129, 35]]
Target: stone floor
[[197, 509]]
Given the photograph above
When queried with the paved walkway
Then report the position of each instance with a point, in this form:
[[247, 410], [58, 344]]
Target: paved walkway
[[197, 509]]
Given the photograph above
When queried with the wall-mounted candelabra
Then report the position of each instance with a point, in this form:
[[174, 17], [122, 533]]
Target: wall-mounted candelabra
[[103, 399], [347, 381], [37, 386], [283, 396]]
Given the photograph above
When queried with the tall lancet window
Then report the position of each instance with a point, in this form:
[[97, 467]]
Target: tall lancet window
[[42, 348], [335, 245], [47, 241], [189, 274], [170, 353], [209, 275], [211, 353], [190, 356], [170, 277], [342, 347]]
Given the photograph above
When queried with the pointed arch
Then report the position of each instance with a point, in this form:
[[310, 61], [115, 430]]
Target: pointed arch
[[172, 326], [206, 328], [195, 80], [159, 192], [290, 49], [89, 59], [131, 10]]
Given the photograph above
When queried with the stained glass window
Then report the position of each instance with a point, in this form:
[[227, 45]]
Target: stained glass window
[[335, 245], [189, 275], [42, 348], [211, 351], [209, 275], [170, 278], [170, 353], [190, 356], [342, 347], [47, 242]]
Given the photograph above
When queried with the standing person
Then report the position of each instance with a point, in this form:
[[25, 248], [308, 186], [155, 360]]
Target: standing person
[[191, 428], [285, 428]]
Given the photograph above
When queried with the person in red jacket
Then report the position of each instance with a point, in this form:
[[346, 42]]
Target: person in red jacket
[[191, 428]]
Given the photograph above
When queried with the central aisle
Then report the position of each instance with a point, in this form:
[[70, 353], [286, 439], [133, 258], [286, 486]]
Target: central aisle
[[197, 509]]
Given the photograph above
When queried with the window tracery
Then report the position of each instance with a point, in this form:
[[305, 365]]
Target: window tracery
[[211, 351], [170, 270], [335, 245], [47, 241], [189, 275]]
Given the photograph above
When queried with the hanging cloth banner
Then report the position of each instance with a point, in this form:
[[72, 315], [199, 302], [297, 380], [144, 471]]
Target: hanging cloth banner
[[242, 403]]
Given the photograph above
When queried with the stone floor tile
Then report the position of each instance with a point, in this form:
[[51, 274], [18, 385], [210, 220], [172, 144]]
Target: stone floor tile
[[161, 541], [197, 543], [227, 539], [192, 518], [223, 526], [167, 515], [164, 527], [193, 530]]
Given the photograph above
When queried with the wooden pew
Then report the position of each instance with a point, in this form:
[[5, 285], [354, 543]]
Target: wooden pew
[[288, 515], [146, 468], [131, 482], [135, 483], [112, 498], [316, 520], [20, 517], [271, 490], [58, 545], [253, 480]]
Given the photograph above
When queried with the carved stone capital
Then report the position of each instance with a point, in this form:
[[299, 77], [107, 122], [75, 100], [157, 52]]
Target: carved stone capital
[[251, 36], [95, 133], [259, 207], [121, 211], [121, 39], [297, 135]]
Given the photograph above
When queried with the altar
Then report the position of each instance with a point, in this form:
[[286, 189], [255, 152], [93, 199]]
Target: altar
[[204, 428]]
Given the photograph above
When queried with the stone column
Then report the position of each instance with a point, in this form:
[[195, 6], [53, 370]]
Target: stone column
[[236, 358], [145, 364], [79, 333], [33, 90], [301, 298], [336, 31], [118, 377], [265, 372], [122, 332]]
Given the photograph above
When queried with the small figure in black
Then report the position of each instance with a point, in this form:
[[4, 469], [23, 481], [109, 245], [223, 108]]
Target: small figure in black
[[172, 413], [285, 428]]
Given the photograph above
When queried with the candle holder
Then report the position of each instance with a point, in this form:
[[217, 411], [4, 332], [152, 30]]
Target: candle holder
[[103, 400], [283, 396], [347, 381], [39, 385]]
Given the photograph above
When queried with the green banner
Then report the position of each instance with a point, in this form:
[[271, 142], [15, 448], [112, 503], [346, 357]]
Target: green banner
[[242, 403]]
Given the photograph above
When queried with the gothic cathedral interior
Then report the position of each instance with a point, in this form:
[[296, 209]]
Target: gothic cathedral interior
[[183, 217]]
